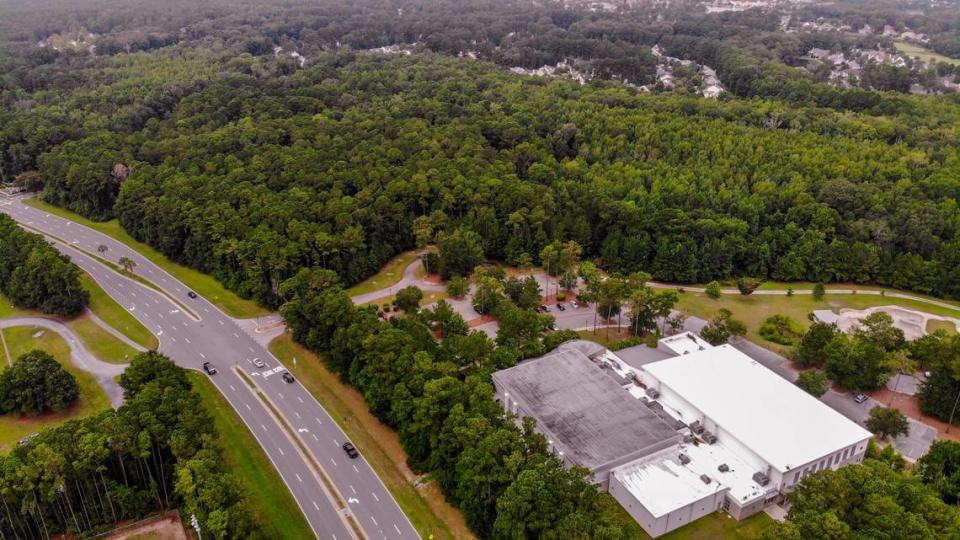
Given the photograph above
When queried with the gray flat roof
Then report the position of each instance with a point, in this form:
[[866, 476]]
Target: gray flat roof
[[589, 417], [642, 355]]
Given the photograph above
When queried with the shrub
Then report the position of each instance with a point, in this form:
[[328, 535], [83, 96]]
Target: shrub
[[713, 290], [781, 329]]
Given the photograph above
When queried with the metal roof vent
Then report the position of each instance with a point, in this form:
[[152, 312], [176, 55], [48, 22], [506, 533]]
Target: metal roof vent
[[761, 478], [723, 467], [696, 427], [684, 459], [653, 393], [705, 478], [709, 438]]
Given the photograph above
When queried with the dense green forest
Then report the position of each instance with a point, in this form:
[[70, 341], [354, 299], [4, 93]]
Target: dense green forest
[[33, 274], [253, 177], [156, 451]]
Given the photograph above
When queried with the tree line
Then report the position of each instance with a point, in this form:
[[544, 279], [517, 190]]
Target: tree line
[[36, 383], [687, 190], [34, 275], [157, 451]]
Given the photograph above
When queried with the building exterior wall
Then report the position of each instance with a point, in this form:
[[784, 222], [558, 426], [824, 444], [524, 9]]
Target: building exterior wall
[[657, 526], [848, 455]]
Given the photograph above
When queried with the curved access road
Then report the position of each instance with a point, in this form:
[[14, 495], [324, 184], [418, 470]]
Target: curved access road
[[303, 454], [80, 357]]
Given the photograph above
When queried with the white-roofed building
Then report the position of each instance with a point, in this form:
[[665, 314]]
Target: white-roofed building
[[766, 433]]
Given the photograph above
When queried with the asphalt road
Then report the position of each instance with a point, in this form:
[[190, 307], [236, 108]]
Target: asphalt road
[[222, 341]]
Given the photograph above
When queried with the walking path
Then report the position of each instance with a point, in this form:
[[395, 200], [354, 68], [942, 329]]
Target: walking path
[[80, 356], [114, 332]]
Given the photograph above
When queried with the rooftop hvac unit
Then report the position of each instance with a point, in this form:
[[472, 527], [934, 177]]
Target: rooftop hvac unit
[[653, 393], [709, 438], [696, 427], [705, 478], [723, 467], [761, 478], [687, 439], [684, 459]]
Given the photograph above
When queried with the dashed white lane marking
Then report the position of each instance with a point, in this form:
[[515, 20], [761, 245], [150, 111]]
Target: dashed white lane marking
[[251, 349], [297, 414], [232, 388], [298, 477], [300, 399], [202, 355], [281, 451], [262, 426], [315, 506], [187, 340], [334, 462], [160, 315], [318, 420], [375, 496], [356, 469], [205, 310], [221, 322], [397, 528], [248, 406], [173, 339], [280, 394], [352, 489], [235, 335], [374, 521], [315, 437]]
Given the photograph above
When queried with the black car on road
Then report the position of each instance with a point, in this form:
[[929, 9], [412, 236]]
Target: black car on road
[[287, 377], [351, 450], [208, 367], [192, 294]]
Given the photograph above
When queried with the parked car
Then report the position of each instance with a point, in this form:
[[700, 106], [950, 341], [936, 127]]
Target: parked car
[[860, 398], [287, 377], [209, 368], [259, 363], [545, 309], [351, 450], [561, 307], [574, 304], [192, 294]]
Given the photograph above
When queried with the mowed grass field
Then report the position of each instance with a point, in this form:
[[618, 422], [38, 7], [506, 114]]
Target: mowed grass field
[[20, 340], [426, 507], [203, 284], [933, 325], [924, 54], [273, 507]]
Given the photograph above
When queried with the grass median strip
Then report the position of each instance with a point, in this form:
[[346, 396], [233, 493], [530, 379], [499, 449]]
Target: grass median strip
[[116, 316], [203, 284], [302, 448], [273, 507]]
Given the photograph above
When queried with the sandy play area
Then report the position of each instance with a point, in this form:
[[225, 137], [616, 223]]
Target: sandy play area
[[913, 323]]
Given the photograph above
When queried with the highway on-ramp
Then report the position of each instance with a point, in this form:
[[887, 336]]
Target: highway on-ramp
[[218, 339]]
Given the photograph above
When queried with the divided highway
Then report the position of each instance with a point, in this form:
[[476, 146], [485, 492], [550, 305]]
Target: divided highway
[[220, 340]]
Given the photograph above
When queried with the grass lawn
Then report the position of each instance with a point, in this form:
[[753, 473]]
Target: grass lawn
[[389, 275], [426, 507], [274, 508], [933, 325], [754, 309], [101, 343], [716, 526], [926, 55], [92, 398], [203, 284], [116, 316]]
